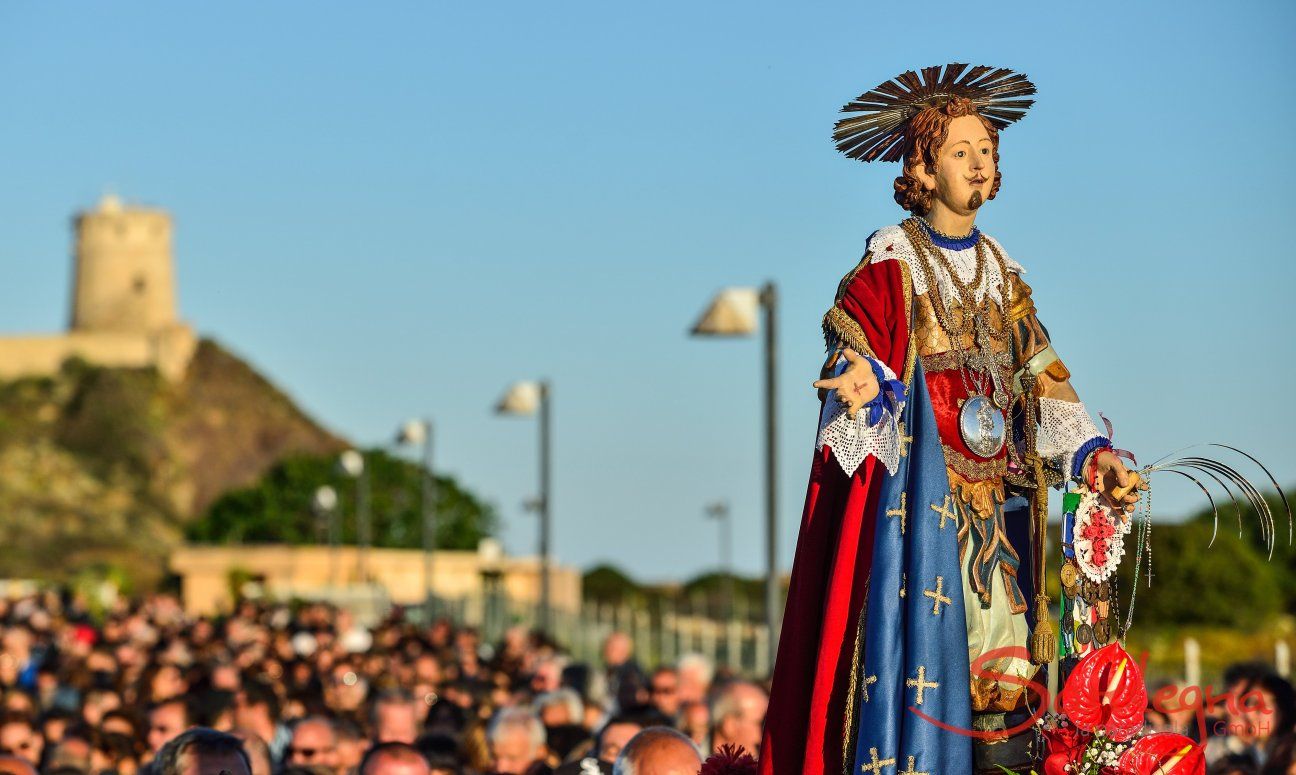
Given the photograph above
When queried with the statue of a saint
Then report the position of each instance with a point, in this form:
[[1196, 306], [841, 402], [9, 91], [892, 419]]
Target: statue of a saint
[[916, 613]]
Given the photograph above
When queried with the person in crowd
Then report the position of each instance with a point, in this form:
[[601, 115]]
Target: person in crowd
[[394, 758], [664, 691], [203, 751], [257, 709], [20, 737], [737, 715], [517, 742], [395, 717], [166, 720], [257, 750], [658, 751], [696, 673], [623, 679], [313, 744], [613, 737]]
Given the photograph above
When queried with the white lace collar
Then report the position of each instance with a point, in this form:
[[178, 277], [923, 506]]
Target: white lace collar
[[891, 242]]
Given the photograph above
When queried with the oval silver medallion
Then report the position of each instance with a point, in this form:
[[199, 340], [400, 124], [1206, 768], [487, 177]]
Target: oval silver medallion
[[981, 424]]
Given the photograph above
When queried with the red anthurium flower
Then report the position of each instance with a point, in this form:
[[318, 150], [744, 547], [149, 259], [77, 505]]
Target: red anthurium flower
[[1105, 692], [1066, 744], [1163, 753]]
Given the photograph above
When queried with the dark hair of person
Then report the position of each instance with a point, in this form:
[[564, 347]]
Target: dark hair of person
[[199, 740], [262, 693], [441, 751]]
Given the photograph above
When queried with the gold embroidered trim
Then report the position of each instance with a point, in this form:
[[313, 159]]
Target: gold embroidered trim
[[953, 359], [841, 329], [974, 470], [849, 732], [911, 358]]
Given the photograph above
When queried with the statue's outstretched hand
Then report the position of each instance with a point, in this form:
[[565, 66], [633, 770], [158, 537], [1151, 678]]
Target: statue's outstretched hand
[[1119, 487], [856, 386]]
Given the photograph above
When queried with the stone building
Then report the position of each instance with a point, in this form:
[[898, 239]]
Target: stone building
[[124, 311]]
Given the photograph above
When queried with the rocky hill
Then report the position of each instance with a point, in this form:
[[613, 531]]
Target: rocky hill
[[101, 468]]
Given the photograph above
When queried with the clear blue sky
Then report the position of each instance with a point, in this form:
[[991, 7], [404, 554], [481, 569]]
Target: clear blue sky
[[397, 208]]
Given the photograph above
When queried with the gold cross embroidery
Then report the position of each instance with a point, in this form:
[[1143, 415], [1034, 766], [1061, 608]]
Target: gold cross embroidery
[[937, 596], [905, 441], [877, 764], [944, 511], [904, 582], [921, 683], [910, 769], [901, 512], [869, 680]]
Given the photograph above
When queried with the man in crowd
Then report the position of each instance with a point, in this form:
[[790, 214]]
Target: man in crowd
[[517, 742], [737, 715], [658, 751], [394, 758], [166, 720], [395, 717], [19, 737], [314, 744], [203, 751]]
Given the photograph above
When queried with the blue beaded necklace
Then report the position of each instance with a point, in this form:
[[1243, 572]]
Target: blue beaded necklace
[[950, 243]]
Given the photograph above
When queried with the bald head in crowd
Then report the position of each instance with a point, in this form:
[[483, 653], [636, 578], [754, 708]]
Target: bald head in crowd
[[658, 751], [394, 759]]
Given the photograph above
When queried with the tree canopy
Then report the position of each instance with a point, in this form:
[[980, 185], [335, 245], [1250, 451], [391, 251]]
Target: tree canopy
[[278, 508]]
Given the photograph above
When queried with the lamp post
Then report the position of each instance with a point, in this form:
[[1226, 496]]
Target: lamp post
[[733, 312], [325, 504], [352, 464], [719, 511], [525, 399], [414, 433]]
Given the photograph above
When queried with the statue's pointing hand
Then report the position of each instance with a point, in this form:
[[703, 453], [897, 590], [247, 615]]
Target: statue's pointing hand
[[855, 386]]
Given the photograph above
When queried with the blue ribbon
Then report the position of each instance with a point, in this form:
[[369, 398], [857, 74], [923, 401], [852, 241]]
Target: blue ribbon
[[891, 393]]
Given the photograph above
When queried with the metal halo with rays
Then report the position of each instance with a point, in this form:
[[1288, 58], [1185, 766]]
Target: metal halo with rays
[[882, 114]]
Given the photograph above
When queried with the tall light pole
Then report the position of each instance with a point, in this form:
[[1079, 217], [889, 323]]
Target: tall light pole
[[352, 464], [719, 511], [733, 312], [414, 433], [525, 399], [325, 503]]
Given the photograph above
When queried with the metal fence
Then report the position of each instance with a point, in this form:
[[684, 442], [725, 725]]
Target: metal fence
[[662, 632]]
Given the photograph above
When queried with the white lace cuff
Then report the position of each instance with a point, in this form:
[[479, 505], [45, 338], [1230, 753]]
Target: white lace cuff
[[854, 440], [1065, 426]]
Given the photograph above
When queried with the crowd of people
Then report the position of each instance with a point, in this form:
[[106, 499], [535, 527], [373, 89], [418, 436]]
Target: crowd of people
[[144, 689], [305, 690]]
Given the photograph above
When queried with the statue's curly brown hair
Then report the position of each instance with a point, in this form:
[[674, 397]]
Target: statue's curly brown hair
[[926, 134]]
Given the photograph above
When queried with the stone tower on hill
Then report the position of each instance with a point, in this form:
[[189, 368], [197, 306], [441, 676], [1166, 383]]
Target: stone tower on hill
[[124, 275], [123, 304]]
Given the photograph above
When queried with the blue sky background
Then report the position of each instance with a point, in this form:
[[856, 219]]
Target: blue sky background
[[395, 209]]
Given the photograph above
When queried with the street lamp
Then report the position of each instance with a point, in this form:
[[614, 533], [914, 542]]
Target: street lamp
[[352, 463], [719, 511], [733, 312], [525, 399], [414, 433], [325, 504]]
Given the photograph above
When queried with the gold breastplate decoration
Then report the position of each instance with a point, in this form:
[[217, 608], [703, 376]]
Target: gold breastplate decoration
[[977, 339]]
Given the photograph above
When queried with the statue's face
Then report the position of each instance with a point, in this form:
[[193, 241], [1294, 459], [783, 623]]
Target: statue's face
[[965, 167]]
